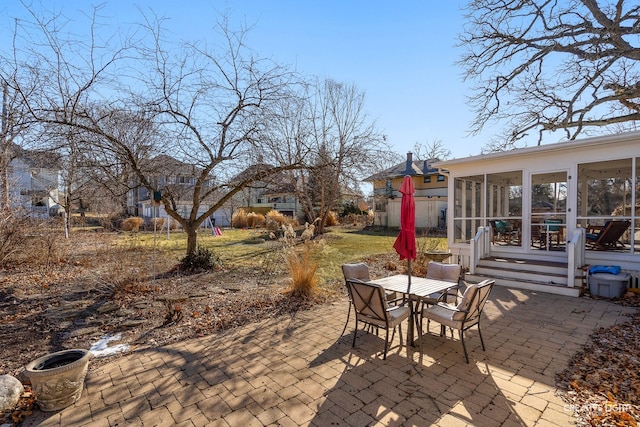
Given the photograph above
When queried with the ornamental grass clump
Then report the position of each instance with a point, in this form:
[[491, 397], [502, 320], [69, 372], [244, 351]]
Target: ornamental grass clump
[[132, 224], [301, 260], [302, 268]]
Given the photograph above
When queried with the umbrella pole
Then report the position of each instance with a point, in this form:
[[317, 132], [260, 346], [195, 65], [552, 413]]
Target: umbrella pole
[[413, 314]]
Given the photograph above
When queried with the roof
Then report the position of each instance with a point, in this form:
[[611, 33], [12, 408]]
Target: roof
[[37, 158], [417, 167], [556, 147], [164, 164]]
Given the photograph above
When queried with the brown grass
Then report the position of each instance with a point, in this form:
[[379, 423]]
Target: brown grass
[[303, 265], [132, 224]]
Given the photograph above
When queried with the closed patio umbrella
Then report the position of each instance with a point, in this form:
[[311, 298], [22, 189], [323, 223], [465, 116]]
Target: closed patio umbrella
[[405, 244]]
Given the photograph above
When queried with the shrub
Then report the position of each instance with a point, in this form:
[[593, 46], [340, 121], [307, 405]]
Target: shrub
[[201, 260], [254, 220], [12, 235], [274, 220], [302, 268], [156, 224], [132, 224], [331, 219], [239, 219]]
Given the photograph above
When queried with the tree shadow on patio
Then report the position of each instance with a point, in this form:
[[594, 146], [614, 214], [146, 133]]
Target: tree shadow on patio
[[400, 392]]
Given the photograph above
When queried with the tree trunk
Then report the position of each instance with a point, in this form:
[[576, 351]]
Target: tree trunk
[[5, 203], [192, 238]]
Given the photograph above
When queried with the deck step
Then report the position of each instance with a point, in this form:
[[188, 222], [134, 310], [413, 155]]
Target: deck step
[[542, 276]]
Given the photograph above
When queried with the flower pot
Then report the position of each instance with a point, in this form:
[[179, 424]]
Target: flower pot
[[57, 379], [437, 256]]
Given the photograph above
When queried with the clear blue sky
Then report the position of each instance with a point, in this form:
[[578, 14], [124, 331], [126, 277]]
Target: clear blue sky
[[401, 54]]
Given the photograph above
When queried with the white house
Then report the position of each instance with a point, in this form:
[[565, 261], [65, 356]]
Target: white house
[[537, 210], [35, 183]]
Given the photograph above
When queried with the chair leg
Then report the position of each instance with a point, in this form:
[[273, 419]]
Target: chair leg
[[464, 348], [347, 322], [420, 336], [355, 333], [386, 345], [481, 340]]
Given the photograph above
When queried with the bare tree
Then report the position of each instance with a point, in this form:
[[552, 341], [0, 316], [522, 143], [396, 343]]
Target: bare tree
[[211, 107], [549, 65], [111, 167], [344, 142], [435, 149]]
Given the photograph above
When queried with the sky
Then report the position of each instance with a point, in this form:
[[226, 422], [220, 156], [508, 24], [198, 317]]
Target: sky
[[400, 54]]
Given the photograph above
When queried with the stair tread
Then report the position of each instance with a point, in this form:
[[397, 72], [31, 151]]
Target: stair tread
[[524, 262], [521, 271], [537, 275], [511, 279]]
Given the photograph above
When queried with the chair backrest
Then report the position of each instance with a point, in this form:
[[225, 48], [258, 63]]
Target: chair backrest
[[612, 231], [357, 270], [442, 271], [473, 301], [500, 226], [369, 301], [553, 221]]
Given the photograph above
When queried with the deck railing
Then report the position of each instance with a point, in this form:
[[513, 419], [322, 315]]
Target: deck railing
[[575, 255], [480, 246]]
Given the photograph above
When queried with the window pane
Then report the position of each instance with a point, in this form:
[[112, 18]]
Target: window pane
[[605, 192]]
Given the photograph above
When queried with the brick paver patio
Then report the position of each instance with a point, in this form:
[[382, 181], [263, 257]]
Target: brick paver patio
[[296, 371]]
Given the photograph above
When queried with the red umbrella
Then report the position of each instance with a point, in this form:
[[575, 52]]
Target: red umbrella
[[405, 243]]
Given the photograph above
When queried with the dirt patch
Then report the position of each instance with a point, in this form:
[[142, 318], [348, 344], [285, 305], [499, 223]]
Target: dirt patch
[[116, 292], [100, 290]]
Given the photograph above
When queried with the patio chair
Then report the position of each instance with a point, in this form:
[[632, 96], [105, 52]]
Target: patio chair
[[372, 308], [552, 228], [448, 273], [608, 236], [462, 316], [359, 271], [502, 230]]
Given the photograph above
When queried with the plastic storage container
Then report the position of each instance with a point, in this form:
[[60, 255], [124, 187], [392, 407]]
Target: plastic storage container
[[609, 285]]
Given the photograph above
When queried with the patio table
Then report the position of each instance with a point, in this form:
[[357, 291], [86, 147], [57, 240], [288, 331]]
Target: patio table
[[420, 287]]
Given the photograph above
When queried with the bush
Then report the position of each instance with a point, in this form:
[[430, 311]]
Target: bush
[[201, 260], [159, 223], [302, 267], [254, 220], [331, 220], [274, 220], [239, 219], [12, 235], [132, 224], [24, 240]]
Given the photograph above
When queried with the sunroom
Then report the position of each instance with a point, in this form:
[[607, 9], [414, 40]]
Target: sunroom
[[567, 204]]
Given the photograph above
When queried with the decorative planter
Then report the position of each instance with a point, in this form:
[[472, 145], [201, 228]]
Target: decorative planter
[[437, 256], [57, 379]]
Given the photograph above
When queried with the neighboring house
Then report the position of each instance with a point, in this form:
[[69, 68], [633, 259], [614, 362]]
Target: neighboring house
[[275, 192], [167, 174], [430, 196], [352, 197], [537, 208], [35, 182]]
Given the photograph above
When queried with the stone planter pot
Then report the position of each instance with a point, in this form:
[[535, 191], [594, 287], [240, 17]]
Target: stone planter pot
[[437, 256], [57, 379]]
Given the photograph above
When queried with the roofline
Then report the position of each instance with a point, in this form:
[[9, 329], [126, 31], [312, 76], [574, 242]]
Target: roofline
[[555, 147]]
